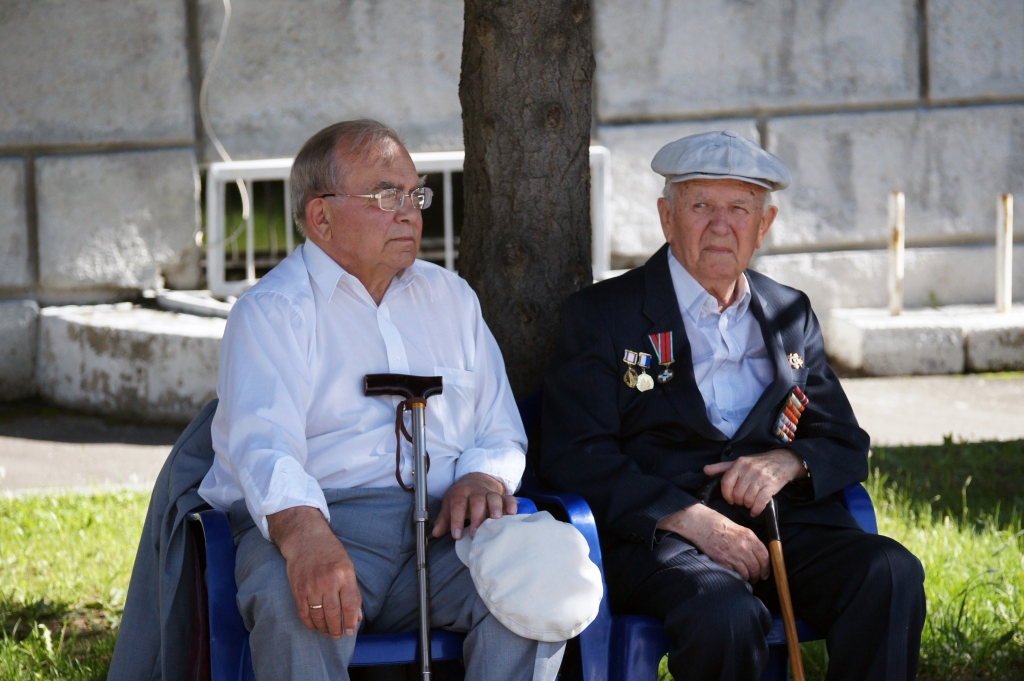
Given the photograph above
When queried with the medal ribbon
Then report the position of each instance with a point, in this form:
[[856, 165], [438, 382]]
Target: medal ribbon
[[662, 343]]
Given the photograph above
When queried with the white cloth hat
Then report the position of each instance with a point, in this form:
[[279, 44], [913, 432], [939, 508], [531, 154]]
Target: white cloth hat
[[720, 156], [535, 575]]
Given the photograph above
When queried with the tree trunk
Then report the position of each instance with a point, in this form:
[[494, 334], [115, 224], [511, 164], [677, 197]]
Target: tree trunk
[[527, 71]]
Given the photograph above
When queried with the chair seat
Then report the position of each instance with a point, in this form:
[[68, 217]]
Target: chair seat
[[381, 649]]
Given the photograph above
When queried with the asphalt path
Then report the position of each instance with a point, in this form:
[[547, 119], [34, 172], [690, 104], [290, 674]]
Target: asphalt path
[[41, 447]]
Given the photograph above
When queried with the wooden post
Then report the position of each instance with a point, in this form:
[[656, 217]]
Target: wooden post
[[1004, 254], [897, 229]]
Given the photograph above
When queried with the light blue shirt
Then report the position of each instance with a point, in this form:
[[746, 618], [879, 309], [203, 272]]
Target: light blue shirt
[[730, 360]]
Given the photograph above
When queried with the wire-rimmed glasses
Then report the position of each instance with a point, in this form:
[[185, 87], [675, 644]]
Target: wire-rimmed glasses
[[393, 199]]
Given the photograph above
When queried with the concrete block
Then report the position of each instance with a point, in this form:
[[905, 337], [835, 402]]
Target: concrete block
[[128, 361], [951, 164], [636, 228], [112, 220], [18, 342], [995, 342], [14, 263], [975, 49], [932, 276], [289, 69], [660, 59], [916, 342], [93, 72]]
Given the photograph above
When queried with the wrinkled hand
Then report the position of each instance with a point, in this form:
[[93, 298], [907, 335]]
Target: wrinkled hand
[[478, 495], [728, 544], [752, 481], [319, 570]]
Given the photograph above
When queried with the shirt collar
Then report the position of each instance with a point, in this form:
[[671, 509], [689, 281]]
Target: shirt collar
[[694, 299], [327, 273]]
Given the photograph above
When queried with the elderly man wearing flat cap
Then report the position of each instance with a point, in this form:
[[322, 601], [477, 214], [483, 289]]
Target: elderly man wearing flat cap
[[686, 394]]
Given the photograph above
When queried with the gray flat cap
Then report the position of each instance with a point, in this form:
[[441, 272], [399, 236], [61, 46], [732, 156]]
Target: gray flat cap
[[720, 156]]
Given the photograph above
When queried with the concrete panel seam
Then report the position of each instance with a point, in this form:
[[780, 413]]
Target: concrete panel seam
[[815, 110], [32, 218]]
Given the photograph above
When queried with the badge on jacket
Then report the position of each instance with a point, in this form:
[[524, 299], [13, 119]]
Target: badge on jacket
[[642, 381], [662, 343], [789, 415]]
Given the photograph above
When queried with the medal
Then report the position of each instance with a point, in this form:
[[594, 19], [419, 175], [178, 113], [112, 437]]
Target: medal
[[662, 343], [630, 377], [789, 416], [644, 382]]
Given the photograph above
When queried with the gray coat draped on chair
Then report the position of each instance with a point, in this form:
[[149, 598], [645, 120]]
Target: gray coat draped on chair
[[154, 642]]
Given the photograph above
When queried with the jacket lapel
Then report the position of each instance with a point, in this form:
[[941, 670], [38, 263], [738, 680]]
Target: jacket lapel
[[777, 389], [661, 307]]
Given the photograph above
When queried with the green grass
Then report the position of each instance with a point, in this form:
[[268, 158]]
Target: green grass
[[65, 562]]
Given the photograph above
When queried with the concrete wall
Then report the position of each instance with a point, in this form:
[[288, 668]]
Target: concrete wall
[[101, 139]]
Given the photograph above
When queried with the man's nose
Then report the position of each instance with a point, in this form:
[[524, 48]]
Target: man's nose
[[718, 221]]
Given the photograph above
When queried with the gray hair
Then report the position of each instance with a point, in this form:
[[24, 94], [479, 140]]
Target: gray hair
[[324, 161], [669, 194]]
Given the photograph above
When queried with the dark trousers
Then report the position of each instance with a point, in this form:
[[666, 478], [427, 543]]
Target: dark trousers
[[865, 592]]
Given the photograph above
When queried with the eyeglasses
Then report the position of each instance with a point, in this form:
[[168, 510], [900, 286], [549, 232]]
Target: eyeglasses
[[393, 199]]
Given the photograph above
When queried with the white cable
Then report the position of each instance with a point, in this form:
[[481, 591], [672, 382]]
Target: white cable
[[203, 96]]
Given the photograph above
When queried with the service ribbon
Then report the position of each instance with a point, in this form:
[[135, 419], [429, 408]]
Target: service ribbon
[[662, 343]]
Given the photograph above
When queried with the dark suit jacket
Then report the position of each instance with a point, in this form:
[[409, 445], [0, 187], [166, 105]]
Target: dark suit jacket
[[638, 457]]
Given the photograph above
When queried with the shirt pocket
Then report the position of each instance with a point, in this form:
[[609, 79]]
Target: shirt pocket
[[454, 408]]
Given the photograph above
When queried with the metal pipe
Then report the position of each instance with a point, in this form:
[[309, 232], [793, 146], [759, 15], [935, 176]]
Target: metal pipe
[[449, 223], [897, 230], [250, 241], [1004, 254], [289, 238], [421, 516]]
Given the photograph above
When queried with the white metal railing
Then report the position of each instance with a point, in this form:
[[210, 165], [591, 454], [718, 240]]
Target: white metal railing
[[221, 174]]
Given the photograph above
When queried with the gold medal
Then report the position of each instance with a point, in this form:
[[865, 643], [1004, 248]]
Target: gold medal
[[644, 381], [630, 377]]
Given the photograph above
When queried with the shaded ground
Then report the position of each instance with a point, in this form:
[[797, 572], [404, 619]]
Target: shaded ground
[[43, 446]]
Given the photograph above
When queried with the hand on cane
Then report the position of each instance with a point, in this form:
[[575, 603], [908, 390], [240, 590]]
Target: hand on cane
[[752, 481]]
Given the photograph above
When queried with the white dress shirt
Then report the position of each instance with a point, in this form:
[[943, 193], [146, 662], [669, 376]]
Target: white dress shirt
[[293, 419], [730, 360]]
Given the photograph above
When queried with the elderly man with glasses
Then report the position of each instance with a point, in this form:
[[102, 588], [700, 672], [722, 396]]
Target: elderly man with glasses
[[306, 464]]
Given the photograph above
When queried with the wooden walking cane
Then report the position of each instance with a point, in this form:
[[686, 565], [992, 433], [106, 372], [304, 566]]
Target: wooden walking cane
[[796, 660], [415, 390]]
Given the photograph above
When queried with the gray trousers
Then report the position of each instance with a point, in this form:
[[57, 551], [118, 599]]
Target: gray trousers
[[376, 528]]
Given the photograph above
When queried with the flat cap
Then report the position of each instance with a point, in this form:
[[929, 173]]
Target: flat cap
[[720, 156]]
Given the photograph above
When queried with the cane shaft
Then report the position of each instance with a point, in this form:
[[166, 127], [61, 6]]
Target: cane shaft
[[796, 661], [421, 516]]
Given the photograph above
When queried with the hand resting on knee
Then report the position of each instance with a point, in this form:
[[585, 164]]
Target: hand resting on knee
[[319, 570], [476, 497]]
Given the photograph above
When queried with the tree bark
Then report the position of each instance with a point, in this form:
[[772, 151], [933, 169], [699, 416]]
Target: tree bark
[[527, 71]]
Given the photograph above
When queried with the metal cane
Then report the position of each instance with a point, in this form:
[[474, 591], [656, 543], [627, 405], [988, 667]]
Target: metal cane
[[415, 390], [796, 660]]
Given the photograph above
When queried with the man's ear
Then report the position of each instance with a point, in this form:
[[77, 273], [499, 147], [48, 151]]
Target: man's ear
[[665, 213], [318, 219], [766, 224]]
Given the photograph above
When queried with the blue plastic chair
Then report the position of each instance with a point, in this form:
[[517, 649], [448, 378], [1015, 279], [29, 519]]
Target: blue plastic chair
[[630, 647], [229, 655]]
